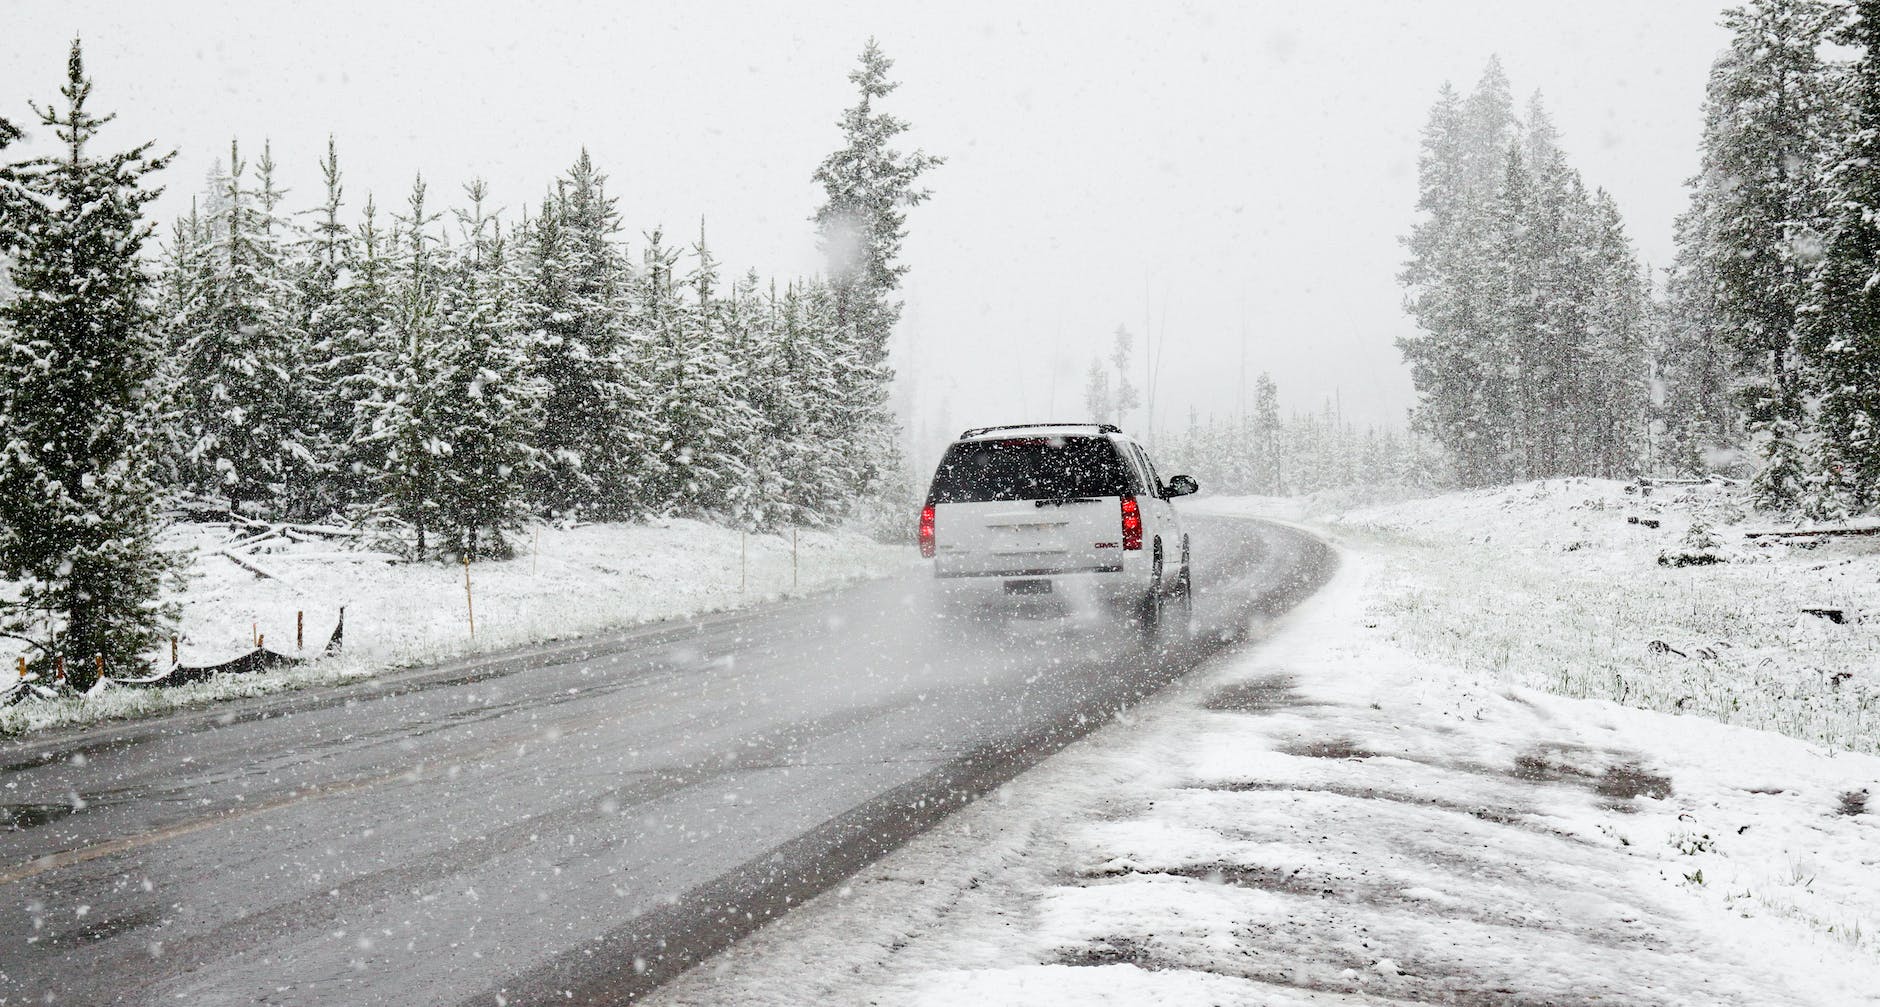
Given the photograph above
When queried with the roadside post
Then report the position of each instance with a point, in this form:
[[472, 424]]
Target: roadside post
[[469, 600]]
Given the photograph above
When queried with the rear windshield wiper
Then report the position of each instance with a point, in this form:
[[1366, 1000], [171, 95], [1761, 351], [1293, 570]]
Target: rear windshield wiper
[[1061, 501]]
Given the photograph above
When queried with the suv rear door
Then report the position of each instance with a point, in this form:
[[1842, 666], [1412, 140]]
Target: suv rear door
[[1158, 511], [1029, 506]]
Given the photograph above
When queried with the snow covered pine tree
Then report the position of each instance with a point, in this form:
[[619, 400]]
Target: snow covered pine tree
[[78, 353], [867, 186]]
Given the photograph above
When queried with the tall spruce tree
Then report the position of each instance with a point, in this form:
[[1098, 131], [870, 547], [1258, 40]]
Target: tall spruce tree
[[406, 383], [867, 186], [485, 407], [1613, 398], [1693, 401], [1843, 319], [1769, 114], [1457, 357], [243, 351], [594, 445], [78, 353], [321, 274], [366, 341]]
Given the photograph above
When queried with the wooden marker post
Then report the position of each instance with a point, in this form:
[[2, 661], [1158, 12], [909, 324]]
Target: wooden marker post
[[100, 660], [173, 658], [300, 630], [22, 668], [59, 675], [469, 600]]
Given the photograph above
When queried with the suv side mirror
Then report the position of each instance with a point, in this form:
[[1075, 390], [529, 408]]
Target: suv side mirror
[[1181, 486]]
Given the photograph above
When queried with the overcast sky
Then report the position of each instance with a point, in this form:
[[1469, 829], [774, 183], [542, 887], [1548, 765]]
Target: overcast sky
[[1208, 169]]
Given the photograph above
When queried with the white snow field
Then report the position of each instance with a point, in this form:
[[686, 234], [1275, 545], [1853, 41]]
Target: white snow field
[[1332, 818], [564, 583]]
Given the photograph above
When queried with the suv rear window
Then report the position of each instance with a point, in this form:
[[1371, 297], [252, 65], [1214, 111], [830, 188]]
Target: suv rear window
[[1029, 468]]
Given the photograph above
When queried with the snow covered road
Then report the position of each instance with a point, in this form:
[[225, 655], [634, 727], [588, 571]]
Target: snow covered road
[[568, 823]]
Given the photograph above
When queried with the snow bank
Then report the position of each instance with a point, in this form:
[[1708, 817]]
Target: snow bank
[[1563, 585], [564, 583]]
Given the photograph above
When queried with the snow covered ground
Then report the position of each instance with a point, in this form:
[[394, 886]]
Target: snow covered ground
[[1395, 801], [1559, 585], [564, 583]]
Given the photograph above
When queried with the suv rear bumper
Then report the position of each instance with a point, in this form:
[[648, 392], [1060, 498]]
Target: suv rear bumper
[[1064, 591]]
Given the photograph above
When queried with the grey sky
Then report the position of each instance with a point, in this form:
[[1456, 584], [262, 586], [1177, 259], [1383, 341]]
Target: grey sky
[[1194, 164]]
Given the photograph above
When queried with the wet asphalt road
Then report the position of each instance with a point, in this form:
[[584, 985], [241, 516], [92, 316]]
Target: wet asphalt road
[[568, 824]]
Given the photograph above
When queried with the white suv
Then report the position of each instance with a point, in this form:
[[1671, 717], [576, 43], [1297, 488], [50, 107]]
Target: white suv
[[1064, 515]]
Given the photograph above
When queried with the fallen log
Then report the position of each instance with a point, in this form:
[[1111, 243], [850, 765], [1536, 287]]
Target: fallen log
[[249, 565], [1816, 532], [360, 555], [324, 530]]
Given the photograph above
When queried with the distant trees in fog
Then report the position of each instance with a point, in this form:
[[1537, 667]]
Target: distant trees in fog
[[1261, 452], [1530, 356]]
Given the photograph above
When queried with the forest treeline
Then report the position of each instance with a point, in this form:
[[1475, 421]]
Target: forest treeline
[[436, 366], [1769, 333], [1542, 349]]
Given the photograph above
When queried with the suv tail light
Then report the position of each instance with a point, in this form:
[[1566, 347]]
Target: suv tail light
[[926, 531], [1132, 524]]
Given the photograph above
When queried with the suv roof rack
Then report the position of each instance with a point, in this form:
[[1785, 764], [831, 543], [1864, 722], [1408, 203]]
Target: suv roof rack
[[1108, 428]]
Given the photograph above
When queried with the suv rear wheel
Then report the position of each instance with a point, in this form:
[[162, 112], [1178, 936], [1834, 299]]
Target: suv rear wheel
[[1152, 609], [1165, 615]]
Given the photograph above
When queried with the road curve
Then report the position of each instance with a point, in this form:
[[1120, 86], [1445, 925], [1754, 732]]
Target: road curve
[[572, 823]]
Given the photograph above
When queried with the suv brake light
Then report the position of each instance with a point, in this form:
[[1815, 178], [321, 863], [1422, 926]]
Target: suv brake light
[[1132, 524], [926, 531]]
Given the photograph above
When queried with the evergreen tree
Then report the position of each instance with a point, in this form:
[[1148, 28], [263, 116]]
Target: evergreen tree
[[406, 384], [485, 405], [243, 349], [1843, 321], [715, 450], [321, 275], [574, 300], [1269, 477], [78, 352], [1694, 363], [181, 279], [1126, 397], [813, 466], [1099, 397], [1769, 113], [364, 341], [1611, 402], [677, 418], [1456, 358], [868, 186]]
